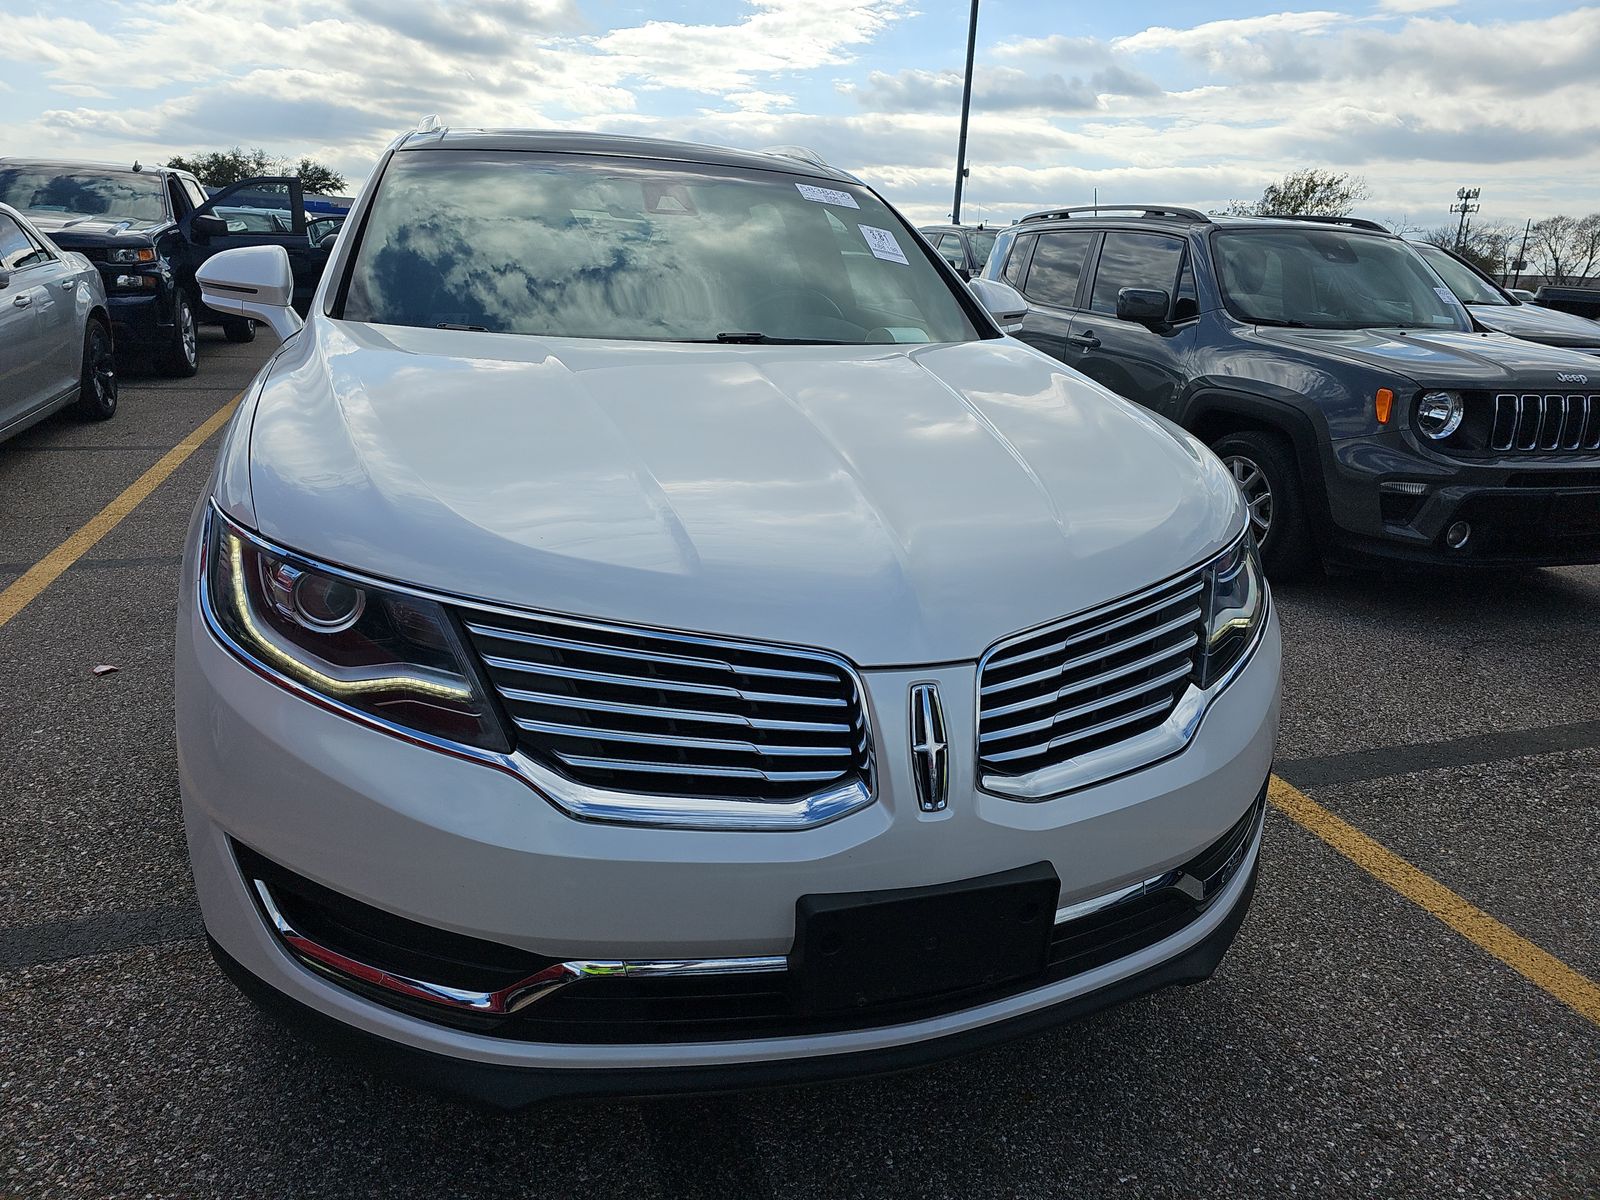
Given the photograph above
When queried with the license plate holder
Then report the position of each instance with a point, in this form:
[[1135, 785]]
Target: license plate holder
[[856, 950]]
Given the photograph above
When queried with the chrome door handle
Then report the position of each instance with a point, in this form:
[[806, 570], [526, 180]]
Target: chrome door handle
[[68, 284], [1087, 340], [22, 301]]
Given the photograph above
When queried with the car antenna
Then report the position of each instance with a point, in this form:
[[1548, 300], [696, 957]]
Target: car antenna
[[136, 167]]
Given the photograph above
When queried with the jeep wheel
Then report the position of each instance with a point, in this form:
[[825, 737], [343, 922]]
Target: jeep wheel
[[239, 329], [181, 356], [1263, 467], [97, 378]]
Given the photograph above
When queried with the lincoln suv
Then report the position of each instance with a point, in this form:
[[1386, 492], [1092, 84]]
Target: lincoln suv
[[652, 629]]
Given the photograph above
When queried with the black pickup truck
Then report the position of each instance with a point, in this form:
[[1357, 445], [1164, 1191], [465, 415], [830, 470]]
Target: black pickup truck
[[148, 228]]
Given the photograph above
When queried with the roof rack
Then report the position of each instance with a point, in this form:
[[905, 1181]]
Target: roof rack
[[1155, 211], [1352, 222]]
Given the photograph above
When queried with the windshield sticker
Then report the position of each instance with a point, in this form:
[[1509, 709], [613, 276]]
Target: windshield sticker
[[882, 244], [824, 195], [1447, 295]]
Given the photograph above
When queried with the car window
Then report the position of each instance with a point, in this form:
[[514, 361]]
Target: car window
[[192, 189], [1057, 266], [981, 242], [591, 247], [1461, 279], [264, 207], [1017, 261], [1330, 279], [1187, 303], [952, 251], [133, 196], [1136, 260], [17, 250]]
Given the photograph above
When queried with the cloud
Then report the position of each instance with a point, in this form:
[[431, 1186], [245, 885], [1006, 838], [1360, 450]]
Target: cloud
[[1000, 89]]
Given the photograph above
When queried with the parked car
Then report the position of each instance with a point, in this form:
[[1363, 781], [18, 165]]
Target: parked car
[[1579, 301], [1495, 308], [1345, 388], [147, 229], [55, 331], [1522, 294], [650, 629], [962, 246]]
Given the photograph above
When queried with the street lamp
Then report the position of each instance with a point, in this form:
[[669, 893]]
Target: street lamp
[[1465, 203], [966, 106]]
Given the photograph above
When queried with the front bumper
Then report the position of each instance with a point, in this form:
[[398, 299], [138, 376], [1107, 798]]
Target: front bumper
[[472, 851], [140, 323], [1534, 510]]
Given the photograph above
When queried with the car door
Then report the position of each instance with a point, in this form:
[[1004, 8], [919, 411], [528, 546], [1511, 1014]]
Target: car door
[[1051, 279], [264, 211], [56, 280], [25, 373], [1147, 363]]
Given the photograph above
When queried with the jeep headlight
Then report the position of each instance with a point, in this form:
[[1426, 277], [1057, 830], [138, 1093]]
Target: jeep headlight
[[389, 655], [1235, 605], [1439, 414], [133, 254]]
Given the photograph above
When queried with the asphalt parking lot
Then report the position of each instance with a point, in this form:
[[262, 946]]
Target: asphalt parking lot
[[1353, 1043]]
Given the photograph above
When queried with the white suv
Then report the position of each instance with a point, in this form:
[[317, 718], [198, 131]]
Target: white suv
[[652, 629]]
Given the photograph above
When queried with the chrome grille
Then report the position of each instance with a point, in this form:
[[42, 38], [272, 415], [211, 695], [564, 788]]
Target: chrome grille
[[1088, 681], [1532, 422], [669, 714]]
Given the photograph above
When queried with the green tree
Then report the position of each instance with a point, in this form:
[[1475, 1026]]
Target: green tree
[[1308, 192], [218, 168]]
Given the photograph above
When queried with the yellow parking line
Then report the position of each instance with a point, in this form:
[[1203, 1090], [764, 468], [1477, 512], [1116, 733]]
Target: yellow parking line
[[1576, 991], [49, 568]]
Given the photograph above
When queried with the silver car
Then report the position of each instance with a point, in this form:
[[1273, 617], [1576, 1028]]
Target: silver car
[[55, 332]]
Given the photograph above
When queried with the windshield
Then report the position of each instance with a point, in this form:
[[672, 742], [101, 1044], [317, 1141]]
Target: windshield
[[982, 241], [1330, 279], [515, 242], [1461, 279], [78, 192]]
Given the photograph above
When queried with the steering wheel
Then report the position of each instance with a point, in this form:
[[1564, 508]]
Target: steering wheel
[[824, 303]]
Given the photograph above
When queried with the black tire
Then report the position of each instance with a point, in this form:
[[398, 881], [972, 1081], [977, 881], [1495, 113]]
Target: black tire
[[181, 355], [97, 378], [239, 329], [1263, 465]]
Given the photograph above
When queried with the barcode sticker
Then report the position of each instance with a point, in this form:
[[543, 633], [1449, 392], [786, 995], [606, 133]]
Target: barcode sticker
[[882, 244], [824, 195]]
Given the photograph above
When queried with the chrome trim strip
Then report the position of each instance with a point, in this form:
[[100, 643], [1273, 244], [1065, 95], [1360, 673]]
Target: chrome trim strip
[[514, 997], [580, 801]]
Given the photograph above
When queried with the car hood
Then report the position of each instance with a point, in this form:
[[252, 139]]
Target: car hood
[[1548, 325], [1443, 358], [894, 504], [66, 230]]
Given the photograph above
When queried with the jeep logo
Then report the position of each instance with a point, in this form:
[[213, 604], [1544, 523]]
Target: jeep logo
[[1571, 378]]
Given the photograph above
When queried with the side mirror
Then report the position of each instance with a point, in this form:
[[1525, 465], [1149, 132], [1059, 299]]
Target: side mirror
[[1002, 301], [1147, 306], [252, 281], [209, 225]]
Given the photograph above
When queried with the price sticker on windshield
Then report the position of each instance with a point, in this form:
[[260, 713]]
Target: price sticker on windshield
[[1446, 295], [882, 244], [824, 195]]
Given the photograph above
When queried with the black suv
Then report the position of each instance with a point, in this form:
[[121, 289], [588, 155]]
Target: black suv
[[1333, 372], [148, 228]]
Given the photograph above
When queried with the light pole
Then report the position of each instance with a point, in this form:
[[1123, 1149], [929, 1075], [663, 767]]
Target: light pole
[[966, 106], [1464, 197]]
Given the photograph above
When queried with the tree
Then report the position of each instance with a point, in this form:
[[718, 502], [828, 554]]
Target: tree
[[218, 168], [1489, 245], [1565, 249], [1308, 192]]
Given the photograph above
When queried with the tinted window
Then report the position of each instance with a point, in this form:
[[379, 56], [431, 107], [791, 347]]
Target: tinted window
[[1016, 260], [952, 251], [1187, 303], [981, 243], [17, 249], [1328, 279], [1057, 266], [121, 195], [592, 247], [1137, 260]]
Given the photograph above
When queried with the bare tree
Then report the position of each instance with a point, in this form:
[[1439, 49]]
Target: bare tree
[[1308, 192], [1565, 249], [1488, 245]]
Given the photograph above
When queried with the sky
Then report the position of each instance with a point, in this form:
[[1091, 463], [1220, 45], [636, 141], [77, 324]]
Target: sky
[[1154, 102]]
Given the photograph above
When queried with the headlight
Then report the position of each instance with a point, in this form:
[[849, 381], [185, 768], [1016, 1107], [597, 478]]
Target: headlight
[[135, 254], [384, 653], [1235, 606], [1439, 414], [135, 283]]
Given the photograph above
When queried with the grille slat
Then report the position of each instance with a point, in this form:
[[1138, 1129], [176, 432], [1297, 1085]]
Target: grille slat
[[635, 710], [1557, 423], [1089, 681]]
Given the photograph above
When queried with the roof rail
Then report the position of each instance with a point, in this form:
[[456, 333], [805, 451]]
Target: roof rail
[[1352, 222], [803, 153], [1144, 210]]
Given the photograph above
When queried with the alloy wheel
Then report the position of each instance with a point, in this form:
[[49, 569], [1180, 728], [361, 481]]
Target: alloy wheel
[[103, 370], [189, 333], [1257, 492]]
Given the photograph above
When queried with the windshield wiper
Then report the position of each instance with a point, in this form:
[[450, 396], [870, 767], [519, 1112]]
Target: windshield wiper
[[738, 337], [463, 328], [1281, 324]]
